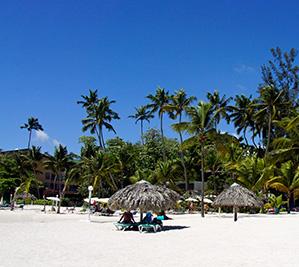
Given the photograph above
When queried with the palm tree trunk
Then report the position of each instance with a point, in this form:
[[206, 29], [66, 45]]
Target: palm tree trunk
[[162, 135], [244, 135], [60, 197], [202, 181], [182, 156], [102, 137], [141, 125], [289, 202], [29, 141], [99, 137], [269, 133], [252, 138]]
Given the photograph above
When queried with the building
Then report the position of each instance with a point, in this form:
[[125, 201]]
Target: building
[[50, 185]]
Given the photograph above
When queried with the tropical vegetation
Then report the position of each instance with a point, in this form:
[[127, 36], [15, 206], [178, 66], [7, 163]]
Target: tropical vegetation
[[262, 153]]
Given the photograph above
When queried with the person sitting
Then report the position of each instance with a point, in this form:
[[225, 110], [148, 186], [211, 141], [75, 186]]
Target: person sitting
[[163, 216], [127, 217], [148, 218]]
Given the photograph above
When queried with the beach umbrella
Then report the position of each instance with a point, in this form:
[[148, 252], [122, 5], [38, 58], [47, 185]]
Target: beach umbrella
[[54, 198], [206, 200], [143, 196], [237, 196], [191, 199]]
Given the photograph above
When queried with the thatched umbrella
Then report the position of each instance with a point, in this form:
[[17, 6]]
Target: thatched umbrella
[[237, 196], [143, 196]]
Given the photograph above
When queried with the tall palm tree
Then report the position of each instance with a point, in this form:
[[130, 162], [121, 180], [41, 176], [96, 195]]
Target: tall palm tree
[[59, 164], [220, 105], [242, 115], [158, 103], [89, 101], [179, 102], [142, 114], [201, 125], [269, 103], [31, 125], [100, 115]]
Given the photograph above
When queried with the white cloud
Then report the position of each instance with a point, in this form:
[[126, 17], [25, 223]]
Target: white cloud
[[242, 68], [56, 142], [41, 136]]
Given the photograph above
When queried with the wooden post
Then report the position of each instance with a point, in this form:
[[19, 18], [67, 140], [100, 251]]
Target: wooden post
[[235, 213], [141, 215]]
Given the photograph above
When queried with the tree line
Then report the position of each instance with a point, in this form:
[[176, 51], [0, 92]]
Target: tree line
[[264, 158]]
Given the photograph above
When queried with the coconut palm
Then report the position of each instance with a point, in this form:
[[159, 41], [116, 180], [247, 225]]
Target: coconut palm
[[99, 116], [287, 181], [250, 172], [33, 159], [89, 102], [177, 106], [166, 173], [268, 105], [142, 114], [242, 115], [220, 105], [60, 163], [201, 125], [158, 103], [97, 170], [287, 147], [31, 125]]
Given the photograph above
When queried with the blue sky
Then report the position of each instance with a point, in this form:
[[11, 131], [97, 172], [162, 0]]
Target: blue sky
[[51, 52]]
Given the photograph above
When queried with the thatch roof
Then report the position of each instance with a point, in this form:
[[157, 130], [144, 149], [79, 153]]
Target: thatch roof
[[143, 196], [237, 196]]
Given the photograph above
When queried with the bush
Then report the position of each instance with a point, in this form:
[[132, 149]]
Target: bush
[[35, 202]]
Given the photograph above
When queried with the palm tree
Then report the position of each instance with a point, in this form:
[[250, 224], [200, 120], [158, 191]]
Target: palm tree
[[220, 105], [242, 114], [179, 102], [31, 125], [250, 172], [158, 103], [166, 173], [100, 115], [98, 168], [59, 164], [201, 125], [287, 147], [268, 106], [287, 181], [33, 159], [142, 114], [90, 101]]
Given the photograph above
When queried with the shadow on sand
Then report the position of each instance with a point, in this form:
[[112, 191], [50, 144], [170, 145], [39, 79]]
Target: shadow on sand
[[174, 227]]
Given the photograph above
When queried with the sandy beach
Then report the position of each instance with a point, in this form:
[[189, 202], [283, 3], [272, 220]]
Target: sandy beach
[[31, 238]]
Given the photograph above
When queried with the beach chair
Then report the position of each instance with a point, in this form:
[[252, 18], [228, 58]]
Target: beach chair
[[147, 227], [125, 226]]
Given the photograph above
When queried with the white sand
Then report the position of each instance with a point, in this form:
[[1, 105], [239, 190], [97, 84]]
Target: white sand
[[30, 238]]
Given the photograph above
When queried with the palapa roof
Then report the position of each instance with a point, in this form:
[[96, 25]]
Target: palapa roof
[[238, 196], [143, 196]]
